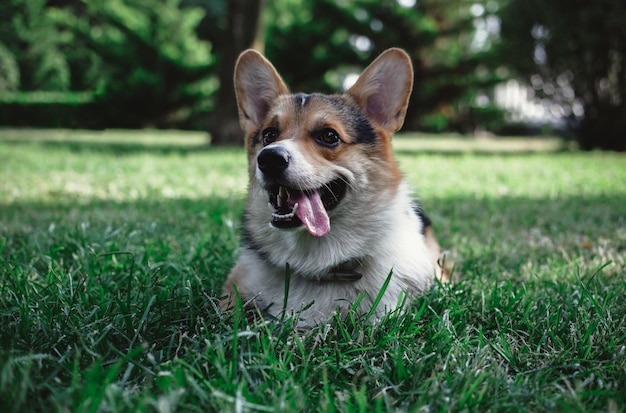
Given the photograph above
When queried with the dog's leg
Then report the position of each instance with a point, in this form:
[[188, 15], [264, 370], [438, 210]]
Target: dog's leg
[[442, 271], [229, 294]]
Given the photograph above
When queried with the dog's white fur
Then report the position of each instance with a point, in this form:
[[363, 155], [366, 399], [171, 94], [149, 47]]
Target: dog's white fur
[[400, 249], [375, 224]]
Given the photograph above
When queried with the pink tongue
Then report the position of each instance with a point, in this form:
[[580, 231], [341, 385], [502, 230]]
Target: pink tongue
[[312, 213]]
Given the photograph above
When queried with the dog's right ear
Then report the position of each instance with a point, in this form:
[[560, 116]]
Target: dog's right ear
[[257, 84]]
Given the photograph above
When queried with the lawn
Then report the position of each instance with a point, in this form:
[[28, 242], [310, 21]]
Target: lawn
[[113, 248]]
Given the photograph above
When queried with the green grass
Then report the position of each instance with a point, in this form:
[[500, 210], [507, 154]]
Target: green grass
[[113, 248]]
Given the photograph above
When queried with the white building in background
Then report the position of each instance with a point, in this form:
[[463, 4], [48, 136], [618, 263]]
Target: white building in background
[[522, 106], [519, 102]]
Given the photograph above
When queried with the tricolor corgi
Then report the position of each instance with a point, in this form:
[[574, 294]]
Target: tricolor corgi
[[327, 205]]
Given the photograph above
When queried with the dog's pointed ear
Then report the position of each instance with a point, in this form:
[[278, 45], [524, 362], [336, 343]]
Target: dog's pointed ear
[[384, 87], [257, 84]]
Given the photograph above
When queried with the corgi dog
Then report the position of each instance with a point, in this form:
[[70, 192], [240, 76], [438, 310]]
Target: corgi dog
[[327, 206]]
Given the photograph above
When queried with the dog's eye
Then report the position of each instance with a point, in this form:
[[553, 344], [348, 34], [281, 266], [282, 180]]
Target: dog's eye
[[269, 135], [327, 137]]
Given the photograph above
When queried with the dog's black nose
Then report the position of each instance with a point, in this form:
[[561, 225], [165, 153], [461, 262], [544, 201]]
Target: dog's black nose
[[273, 161]]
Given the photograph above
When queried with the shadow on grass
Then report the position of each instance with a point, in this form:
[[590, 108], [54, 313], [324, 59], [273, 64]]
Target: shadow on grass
[[490, 233], [174, 235], [510, 236], [104, 275], [114, 148]]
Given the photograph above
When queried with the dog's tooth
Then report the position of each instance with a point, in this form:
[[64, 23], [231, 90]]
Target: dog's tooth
[[283, 196], [285, 217]]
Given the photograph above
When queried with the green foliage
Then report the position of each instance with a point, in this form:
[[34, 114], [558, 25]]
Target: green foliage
[[30, 43], [574, 54], [145, 63], [339, 38], [9, 70], [141, 59], [155, 71], [113, 248], [47, 109]]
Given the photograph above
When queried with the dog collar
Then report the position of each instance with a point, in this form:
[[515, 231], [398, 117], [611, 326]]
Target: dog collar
[[346, 271]]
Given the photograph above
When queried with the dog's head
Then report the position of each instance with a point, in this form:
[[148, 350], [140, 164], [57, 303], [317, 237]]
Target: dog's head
[[310, 153]]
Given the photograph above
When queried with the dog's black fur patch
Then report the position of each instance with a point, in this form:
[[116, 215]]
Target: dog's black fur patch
[[301, 100], [363, 130], [256, 138], [426, 222]]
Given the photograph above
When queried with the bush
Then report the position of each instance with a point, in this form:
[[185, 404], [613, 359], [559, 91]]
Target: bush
[[48, 109]]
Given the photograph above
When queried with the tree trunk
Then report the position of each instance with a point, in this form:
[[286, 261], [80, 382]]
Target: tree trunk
[[244, 23]]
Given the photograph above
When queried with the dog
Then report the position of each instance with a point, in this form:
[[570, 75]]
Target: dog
[[327, 206]]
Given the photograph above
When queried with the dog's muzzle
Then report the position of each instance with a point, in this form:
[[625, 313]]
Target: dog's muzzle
[[293, 207]]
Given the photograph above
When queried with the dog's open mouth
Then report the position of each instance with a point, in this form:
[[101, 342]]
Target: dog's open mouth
[[293, 207]]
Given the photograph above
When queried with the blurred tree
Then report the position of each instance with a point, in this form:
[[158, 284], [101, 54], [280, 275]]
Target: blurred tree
[[154, 69], [30, 56], [315, 44], [243, 25], [148, 67], [9, 70], [573, 52]]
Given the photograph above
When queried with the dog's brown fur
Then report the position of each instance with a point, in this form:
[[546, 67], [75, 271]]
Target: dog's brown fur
[[305, 151]]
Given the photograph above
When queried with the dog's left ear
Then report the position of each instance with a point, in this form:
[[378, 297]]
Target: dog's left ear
[[384, 87]]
